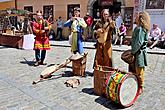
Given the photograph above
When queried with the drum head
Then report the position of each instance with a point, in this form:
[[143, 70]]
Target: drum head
[[128, 91]]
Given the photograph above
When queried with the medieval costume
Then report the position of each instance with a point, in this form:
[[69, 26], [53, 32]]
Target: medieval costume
[[41, 28], [103, 55], [138, 46], [77, 24]]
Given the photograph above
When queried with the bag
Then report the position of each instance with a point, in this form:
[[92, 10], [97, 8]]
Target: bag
[[128, 57]]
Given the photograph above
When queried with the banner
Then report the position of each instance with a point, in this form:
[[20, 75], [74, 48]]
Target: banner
[[28, 41]]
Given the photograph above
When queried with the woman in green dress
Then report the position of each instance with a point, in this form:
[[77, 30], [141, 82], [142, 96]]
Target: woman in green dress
[[139, 44]]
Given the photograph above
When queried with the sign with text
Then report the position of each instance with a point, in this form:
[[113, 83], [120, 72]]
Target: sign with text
[[105, 2]]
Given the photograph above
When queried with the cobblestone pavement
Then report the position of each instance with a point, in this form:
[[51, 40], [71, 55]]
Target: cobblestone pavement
[[18, 93]]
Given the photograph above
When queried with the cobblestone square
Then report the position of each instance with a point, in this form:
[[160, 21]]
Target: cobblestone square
[[18, 93]]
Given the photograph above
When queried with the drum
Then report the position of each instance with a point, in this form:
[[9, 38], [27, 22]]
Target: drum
[[128, 57], [122, 88], [101, 75]]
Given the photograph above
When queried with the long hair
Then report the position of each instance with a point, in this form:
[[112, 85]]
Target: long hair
[[102, 12], [144, 20]]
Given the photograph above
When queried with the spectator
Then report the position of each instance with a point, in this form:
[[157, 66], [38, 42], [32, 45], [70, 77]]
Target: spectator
[[121, 34], [89, 20], [96, 18], [155, 32], [19, 25], [59, 28], [118, 21], [160, 41]]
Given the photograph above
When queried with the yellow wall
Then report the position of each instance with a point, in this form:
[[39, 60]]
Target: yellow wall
[[60, 8], [4, 5]]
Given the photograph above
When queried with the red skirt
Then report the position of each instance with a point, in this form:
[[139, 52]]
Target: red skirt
[[41, 43]]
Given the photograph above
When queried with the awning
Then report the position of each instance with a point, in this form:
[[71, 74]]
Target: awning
[[14, 12]]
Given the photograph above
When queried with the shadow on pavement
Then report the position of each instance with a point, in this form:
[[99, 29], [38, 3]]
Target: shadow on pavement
[[88, 73], [67, 74], [4, 47], [51, 77], [108, 103], [89, 91], [30, 63], [102, 100]]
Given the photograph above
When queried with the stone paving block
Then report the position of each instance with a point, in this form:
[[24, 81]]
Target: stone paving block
[[34, 105], [58, 107], [17, 76]]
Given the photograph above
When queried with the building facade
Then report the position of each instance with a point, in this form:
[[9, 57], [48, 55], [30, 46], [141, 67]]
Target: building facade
[[64, 8], [156, 9], [55, 8], [4, 4]]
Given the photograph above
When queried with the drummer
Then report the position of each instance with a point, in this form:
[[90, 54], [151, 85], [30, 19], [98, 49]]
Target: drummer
[[139, 44]]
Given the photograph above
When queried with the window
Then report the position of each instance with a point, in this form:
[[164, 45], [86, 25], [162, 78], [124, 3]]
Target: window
[[70, 10], [30, 9], [48, 12], [155, 4]]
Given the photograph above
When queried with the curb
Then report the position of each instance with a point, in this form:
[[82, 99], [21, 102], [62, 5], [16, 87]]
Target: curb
[[114, 49]]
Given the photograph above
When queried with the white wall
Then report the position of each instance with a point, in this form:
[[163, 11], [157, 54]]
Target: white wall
[[158, 19]]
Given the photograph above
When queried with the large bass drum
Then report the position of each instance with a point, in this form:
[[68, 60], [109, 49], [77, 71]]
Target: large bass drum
[[122, 88]]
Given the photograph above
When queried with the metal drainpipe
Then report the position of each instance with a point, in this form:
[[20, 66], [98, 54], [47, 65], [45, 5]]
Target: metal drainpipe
[[15, 4]]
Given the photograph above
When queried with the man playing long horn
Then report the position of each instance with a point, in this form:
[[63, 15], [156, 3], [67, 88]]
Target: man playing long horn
[[41, 28]]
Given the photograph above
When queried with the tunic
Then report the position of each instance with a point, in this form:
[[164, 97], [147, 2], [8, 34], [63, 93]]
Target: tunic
[[76, 28], [42, 39], [103, 54]]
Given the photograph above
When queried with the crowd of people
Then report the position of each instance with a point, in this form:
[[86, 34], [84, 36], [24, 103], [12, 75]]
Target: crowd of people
[[156, 37]]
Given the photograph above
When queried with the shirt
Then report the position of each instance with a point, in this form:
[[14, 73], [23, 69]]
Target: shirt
[[118, 21], [59, 24], [155, 33]]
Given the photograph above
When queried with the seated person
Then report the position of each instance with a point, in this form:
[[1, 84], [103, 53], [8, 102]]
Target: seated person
[[154, 34], [160, 41], [121, 34]]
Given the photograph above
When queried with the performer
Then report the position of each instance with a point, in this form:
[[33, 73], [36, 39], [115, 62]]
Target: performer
[[41, 28], [139, 44], [77, 24], [104, 27]]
